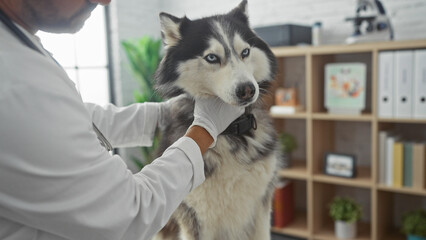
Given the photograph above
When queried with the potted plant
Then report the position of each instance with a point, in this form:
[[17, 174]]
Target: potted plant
[[414, 225], [144, 55], [345, 213], [288, 145]]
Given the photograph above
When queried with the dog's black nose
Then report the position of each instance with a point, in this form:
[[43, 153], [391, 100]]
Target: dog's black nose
[[245, 91]]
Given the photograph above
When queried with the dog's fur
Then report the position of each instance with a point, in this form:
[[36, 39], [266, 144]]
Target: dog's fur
[[234, 202]]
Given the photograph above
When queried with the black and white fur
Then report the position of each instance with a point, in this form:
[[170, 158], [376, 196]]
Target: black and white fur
[[221, 56]]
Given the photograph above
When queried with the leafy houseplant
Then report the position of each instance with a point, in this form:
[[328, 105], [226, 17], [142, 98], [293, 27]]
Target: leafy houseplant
[[414, 225], [345, 212], [144, 56], [288, 145]]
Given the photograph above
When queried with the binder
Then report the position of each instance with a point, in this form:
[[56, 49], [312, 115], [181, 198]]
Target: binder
[[419, 110], [404, 64], [385, 94]]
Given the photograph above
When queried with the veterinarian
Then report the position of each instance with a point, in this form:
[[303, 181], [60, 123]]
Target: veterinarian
[[57, 181]]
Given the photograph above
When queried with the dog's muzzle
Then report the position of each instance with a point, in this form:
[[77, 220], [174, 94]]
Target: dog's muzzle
[[245, 92]]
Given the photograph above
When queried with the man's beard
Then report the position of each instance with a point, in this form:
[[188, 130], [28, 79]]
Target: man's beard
[[69, 25]]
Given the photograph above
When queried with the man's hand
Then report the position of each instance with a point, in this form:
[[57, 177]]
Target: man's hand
[[214, 115]]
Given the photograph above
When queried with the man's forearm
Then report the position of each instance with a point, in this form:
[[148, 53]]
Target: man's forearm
[[201, 137]]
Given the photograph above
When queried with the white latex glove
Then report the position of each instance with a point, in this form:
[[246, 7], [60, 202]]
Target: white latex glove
[[215, 115]]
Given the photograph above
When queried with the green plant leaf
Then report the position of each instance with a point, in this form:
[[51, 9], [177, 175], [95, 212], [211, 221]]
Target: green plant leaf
[[144, 56], [345, 209], [288, 142], [414, 223]]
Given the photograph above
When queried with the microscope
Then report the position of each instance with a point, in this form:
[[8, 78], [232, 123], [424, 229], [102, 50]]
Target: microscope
[[370, 23]]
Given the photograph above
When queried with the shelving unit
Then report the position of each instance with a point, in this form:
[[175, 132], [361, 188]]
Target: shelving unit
[[318, 132]]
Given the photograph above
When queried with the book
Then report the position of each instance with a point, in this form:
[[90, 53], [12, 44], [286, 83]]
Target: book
[[408, 165], [397, 164], [283, 204], [390, 140], [419, 165], [382, 156], [276, 109]]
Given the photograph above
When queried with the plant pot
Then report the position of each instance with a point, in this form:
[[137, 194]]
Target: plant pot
[[345, 230], [414, 237]]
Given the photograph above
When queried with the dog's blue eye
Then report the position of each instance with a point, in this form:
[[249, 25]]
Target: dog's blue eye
[[211, 58], [245, 53]]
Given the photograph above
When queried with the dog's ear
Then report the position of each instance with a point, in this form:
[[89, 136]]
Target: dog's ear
[[240, 12], [170, 29]]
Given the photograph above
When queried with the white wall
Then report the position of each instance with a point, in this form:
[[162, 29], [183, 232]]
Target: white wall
[[130, 19], [408, 16], [136, 18]]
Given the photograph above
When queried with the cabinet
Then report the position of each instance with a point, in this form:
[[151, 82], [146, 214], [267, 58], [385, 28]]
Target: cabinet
[[318, 132]]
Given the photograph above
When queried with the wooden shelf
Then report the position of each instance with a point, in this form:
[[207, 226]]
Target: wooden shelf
[[327, 233], [362, 179], [395, 235], [406, 190], [298, 227], [300, 115], [319, 132], [344, 48], [297, 170], [402, 120], [327, 116]]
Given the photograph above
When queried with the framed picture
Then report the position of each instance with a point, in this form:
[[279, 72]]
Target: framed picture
[[345, 85], [286, 97], [340, 165]]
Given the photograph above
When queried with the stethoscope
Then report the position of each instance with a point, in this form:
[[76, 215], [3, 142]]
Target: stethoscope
[[21, 36]]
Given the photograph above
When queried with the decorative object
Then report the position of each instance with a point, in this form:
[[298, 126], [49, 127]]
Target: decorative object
[[286, 101], [414, 225], [283, 204], [316, 33], [345, 88], [144, 56], [288, 145], [286, 97], [340, 165], [345, 212], [370, 23]]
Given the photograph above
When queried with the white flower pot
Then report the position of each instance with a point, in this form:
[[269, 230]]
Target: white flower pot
[[345, 230]]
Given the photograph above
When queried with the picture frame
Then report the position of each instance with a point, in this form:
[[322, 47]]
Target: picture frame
[[340, 165], [345, 88], [286, 97]]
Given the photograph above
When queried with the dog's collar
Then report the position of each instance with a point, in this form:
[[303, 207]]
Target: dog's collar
[[241, 125]]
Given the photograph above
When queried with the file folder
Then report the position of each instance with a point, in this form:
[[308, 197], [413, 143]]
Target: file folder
[[385, 86], [419, 110], [404, 64]]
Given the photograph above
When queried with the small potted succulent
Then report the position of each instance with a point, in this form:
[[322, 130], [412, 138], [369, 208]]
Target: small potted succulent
[[414, 225], [288, 145], [345, 213]]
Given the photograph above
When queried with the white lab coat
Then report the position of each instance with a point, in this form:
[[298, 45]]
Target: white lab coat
[[56, 180]]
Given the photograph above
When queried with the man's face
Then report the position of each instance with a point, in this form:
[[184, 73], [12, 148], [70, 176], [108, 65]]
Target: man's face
[[60, 16]]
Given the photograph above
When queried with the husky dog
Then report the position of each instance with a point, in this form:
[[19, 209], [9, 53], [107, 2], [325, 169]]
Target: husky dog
[[221, 56]]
